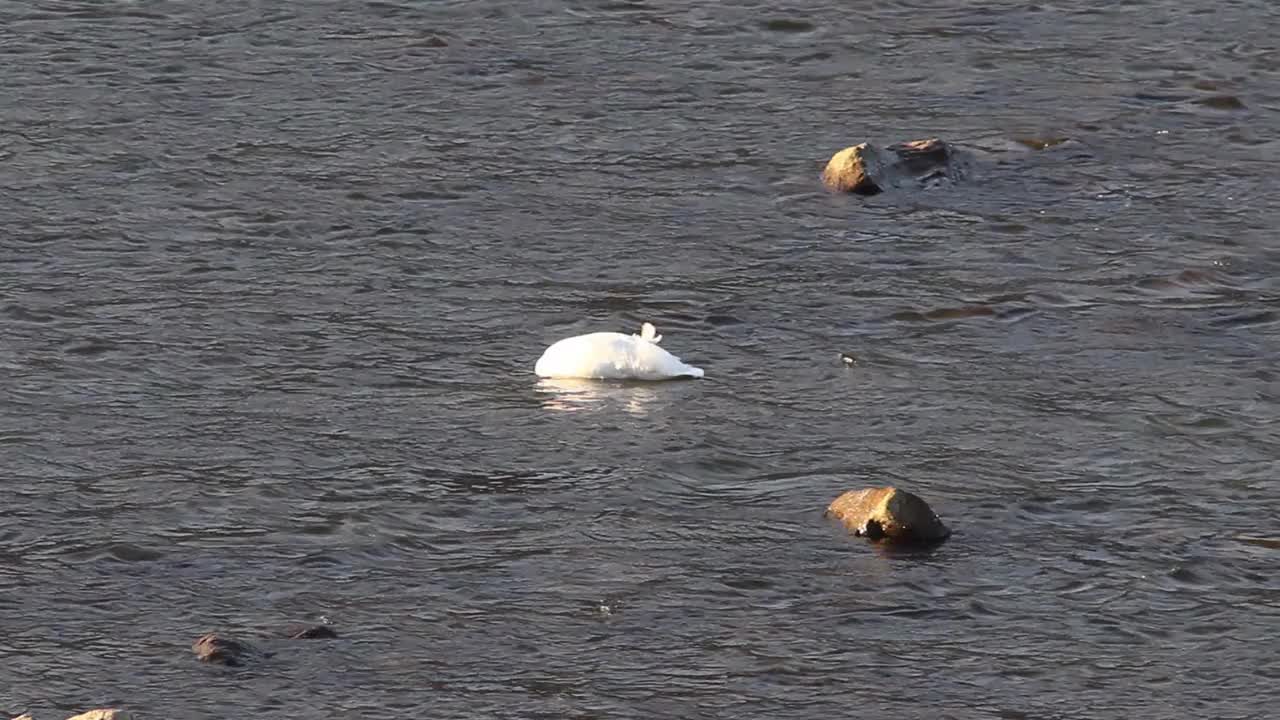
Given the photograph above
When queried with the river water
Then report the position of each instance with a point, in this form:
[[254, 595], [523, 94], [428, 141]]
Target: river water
[[276, 276]]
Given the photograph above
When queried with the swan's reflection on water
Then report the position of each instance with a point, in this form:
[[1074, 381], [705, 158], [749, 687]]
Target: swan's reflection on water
[[574, 395]]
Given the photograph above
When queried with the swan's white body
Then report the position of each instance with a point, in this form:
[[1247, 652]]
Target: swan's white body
[[613, 356]]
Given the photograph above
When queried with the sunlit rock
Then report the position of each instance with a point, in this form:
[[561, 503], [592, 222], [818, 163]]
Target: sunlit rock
[[889, 515], [103, 714], [867, 170]]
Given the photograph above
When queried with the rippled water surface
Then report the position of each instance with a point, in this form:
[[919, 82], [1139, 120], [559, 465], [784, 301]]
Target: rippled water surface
[[275, 276]]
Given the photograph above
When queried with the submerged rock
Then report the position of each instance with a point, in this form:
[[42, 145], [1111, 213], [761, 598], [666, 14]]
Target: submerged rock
[[98, 714], [103, 714], [888, 514], [1040, 143], [867, 170], [311, 632], [213, 648]]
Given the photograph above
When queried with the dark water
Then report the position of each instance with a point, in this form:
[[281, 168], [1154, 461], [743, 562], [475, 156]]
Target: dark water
[[276, 275]]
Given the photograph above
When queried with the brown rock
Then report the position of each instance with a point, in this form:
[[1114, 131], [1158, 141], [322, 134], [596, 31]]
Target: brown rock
[[867, 170], [1040, 143], [213, 648], [888, 514], [311, 632], [103, 714], [852, 169]]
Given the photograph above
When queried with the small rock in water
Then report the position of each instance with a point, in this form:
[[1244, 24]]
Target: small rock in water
[[852, 170], [213, 648], [788, 25], [1040, 143], [866, 170], [1272, 543], [102, 714], [1221, 102], [312, 632], [888, 514]]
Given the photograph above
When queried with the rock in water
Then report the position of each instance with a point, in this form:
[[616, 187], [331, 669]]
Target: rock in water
[[311, 632], [213, 648], [851, 169], [102, 714], [888, 514], [867, 170]]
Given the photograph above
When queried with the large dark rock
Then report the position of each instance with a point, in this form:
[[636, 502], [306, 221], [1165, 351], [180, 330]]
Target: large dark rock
[[888, 515], [867, 170]]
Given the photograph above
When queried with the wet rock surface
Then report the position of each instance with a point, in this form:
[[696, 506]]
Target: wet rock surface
[[889, 515], [96, 714], [221, 650], [311, 632], [103, 714], [866, 169]]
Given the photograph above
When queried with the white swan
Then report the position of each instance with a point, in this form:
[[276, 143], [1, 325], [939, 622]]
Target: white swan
[[613, 356]]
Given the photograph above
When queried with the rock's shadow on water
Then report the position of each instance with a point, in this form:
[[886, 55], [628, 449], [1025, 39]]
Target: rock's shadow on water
[[907, 552]]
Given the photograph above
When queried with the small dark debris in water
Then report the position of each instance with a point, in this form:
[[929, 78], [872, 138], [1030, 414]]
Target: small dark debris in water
[[92, 347], [435, 41], [1246, 319], [1245, 136], [1269, 543], [312, 632], [548, 688], [1040, 143], [1160, 97], [1190, 278], [1206, 85], [128, 552], [1210, 423], [848, 358], [1014, 314], [787, 25], [1010, 228], [1009, 314], [956, 313], [1222, 102], [720, 320]]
